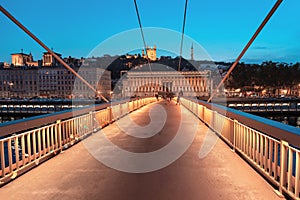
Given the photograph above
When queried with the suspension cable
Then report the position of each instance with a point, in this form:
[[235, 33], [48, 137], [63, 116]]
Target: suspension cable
[[5, 12], [182, 35], [272, 11], [142, 33]]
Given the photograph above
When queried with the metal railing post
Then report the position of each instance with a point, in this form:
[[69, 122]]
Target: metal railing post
[[2, 159], [213, 119], [58, 129], [110, 115], [202, 112], [283, 165], [128, 107], [91, 122], [297, 174], [235, 123]]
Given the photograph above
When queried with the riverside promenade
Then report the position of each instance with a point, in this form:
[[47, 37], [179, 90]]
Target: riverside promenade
[[77, 174]]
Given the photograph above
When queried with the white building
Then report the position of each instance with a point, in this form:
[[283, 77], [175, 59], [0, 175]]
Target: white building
[[148, 82]]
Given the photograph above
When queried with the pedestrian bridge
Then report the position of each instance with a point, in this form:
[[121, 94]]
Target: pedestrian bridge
[[148, 149]]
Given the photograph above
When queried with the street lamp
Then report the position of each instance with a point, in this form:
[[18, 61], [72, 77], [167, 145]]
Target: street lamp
[[10, 84], [110, 95], [98, 94]]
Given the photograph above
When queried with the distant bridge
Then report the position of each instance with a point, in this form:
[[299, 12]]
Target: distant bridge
[[250, 105], [42, 106], [262, 105]]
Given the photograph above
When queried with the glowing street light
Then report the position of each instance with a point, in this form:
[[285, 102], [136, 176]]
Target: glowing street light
[[110, 94]]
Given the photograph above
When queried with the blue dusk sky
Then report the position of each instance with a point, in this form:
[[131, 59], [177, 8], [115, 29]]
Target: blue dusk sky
[[222, 28]]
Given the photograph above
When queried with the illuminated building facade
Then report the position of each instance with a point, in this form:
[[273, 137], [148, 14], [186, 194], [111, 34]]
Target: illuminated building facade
[[28, 82], [49, 60], [22, 59], [191, 83]]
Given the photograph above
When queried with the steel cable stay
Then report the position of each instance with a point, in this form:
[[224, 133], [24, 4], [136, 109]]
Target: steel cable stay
[[13, 19], [267, 18], [182, 34], [142, 34]]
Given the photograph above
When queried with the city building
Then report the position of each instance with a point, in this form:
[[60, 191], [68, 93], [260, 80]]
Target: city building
[[49, 59], [74, 62], [161, 79], [22, 59], [28, 82], [99, 78], [4, 64], [18, 82], [48, 78]]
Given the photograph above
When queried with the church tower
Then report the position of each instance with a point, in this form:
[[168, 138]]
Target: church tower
[[151, 53], [192, 52]]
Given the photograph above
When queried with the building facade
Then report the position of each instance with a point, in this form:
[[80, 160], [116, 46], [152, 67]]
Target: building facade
[[22, 59], [28, 82], [49, 60], [17, 82], [191, 83], [100, 79]]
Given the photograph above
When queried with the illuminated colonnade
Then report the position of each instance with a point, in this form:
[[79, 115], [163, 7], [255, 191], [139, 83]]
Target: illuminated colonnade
[[191, 83]]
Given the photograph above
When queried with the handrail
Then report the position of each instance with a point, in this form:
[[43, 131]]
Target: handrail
[[42, 137], [270, 147], [16, 126], [275, 129]]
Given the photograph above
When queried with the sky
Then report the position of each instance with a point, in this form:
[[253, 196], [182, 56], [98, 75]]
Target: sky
[[221, 28]]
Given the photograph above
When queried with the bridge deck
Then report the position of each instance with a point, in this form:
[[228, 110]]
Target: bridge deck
[[76, 174]]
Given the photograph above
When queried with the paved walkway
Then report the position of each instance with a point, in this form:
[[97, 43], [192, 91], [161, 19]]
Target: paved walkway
[[77, 174]]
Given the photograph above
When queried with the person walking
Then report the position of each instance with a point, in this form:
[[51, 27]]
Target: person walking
[[156, 95], [180, 94]]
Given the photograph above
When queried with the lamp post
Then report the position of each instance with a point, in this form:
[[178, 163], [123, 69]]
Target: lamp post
[[110, 95], [10, 86], [98, 93]]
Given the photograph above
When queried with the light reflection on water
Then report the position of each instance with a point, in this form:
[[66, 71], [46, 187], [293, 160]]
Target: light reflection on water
[[9, 118], [290, 120]]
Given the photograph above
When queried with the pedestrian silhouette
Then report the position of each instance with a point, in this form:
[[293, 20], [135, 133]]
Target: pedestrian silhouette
[[180, 94]]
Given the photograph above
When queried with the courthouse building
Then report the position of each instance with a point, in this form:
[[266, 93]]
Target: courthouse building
[[160, 79]]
